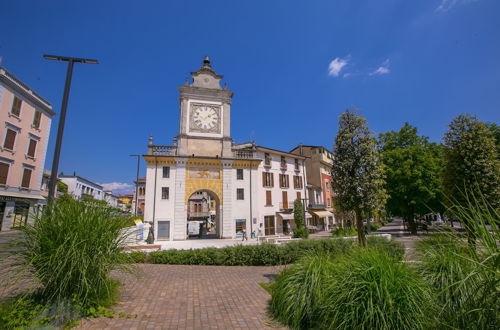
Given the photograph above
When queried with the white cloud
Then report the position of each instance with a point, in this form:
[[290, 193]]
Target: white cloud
[[446, 5], [337, 65], [383, 69], [118, 187]]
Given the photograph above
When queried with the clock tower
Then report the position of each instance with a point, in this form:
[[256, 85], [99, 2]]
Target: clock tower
[[205, 109]]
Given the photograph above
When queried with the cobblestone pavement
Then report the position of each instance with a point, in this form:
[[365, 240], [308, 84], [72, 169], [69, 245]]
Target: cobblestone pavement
[[192, 297]]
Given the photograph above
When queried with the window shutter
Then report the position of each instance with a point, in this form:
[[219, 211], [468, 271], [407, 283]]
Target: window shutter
[[4, 171], [26, 178], [36, 119], [272, 179], [10, 138], [16, 106], [287, 180], [299, 197], [32, 148], [263, 179]]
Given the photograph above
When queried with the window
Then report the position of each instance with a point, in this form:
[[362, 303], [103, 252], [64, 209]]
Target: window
[[10, 139], [166, 171], [269, 225], [26, 178], [267, 159], [32, 148], [297, 182], [163, 229], [327, 186], [239, 174], [269, 199], [16, 106], [283, 162], [37, 119], [284, 196], [267, 179], [240, 194], [297, 168], [4, 172], [284, 181], [241, 225], [164, 192], [328, 202], [299, 196]]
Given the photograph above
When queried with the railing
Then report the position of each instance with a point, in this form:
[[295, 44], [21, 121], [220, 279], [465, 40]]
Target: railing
[[316, 206], [244, 154], [162, 150], [286, 205], [198, 214], [283, 166]]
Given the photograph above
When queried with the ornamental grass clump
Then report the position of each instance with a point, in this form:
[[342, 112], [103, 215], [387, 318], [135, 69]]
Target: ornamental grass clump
[[371, 290], [463, 268], [70, 250], [363, 289]]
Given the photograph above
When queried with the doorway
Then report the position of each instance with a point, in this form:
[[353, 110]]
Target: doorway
[[203, 215]]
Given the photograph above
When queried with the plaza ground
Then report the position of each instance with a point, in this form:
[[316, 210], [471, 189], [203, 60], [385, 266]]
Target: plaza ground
[[202, 297]]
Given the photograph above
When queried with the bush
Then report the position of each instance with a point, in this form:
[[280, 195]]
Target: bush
[[71, 249], [344, 232], [392, 248], [364, 289], [300, 232], [263, 254]]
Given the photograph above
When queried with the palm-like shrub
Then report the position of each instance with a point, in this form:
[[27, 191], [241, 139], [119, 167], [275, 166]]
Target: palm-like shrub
[[71, 249]]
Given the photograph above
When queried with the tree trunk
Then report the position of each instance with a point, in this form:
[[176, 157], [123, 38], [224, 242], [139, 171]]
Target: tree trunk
[[359, 227], [412, 226]]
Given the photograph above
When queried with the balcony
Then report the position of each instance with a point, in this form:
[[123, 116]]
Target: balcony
[[156, 150], [316, 206], [244, 154], [283, 166], [286, 206], [203, 214]]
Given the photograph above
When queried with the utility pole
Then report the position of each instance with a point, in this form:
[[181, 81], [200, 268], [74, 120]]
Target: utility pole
[[136, 182], [62, 119]]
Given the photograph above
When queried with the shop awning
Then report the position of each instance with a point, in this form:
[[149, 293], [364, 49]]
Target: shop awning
[[322, 213], [308, 215], [13, 194], [286, 216]]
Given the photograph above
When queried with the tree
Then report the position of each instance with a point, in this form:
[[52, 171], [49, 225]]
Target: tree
[[413, 168], [357, 171], [471, 161], [298, 215]]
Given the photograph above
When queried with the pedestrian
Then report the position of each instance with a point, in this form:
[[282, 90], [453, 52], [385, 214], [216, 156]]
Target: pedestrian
[[288, 228], [244, 236]]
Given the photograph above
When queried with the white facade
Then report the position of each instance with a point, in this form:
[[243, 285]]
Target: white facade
[[80, 187], [204, 158]]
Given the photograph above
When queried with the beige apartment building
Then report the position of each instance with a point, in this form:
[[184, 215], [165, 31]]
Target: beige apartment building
[[25, 119], [319, 185]]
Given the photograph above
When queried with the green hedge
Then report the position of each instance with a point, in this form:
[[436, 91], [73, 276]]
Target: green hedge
[[262, 254]]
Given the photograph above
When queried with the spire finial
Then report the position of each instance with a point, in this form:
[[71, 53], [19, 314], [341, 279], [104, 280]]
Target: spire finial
[[206, 60]]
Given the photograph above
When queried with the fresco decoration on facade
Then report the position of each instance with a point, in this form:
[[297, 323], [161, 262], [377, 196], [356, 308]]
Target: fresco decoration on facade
[[204, 173]]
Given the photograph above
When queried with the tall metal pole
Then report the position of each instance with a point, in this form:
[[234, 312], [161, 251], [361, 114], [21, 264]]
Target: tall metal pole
[[60, 132], [136, 182], [62, 120]]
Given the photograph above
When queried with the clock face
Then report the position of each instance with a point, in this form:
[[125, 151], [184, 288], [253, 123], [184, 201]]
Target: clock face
[[205, 117]]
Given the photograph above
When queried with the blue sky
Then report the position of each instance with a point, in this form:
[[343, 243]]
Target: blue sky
[[294, 67]]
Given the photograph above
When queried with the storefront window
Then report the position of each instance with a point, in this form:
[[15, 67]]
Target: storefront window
[[269, 225], [241, 224], [21, 210]]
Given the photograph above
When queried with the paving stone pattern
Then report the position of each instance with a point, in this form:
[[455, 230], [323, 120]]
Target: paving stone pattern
[[192, 297]]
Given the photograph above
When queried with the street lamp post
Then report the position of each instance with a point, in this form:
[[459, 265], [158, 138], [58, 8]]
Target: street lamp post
[[136, 182], [60, 130]]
